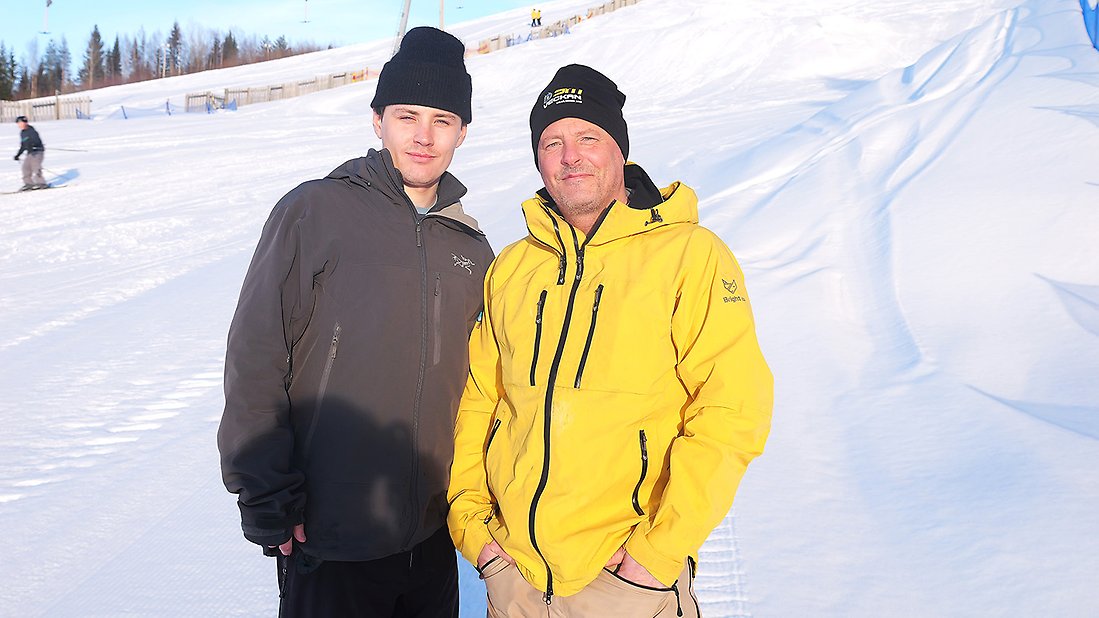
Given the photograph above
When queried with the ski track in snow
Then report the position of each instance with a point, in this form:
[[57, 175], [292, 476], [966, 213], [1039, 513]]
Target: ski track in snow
[[898, 182]]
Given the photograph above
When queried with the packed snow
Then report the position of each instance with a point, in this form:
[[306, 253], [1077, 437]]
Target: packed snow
[[910, 186]]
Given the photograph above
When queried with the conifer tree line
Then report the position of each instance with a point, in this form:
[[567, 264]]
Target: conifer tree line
[[131, 59]]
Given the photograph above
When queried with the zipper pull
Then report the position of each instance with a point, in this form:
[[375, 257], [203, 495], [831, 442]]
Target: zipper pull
[[561, 270], [419, 240], [548, 597], [579, 264]]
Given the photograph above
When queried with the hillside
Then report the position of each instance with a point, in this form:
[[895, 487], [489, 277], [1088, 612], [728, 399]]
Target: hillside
[[909, 186]]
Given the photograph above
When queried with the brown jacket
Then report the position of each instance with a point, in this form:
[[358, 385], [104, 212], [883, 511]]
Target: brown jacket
[[346, 360]]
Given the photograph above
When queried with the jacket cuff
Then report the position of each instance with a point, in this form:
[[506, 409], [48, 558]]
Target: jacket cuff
[[476, 537], [266, 537], [664, 568]]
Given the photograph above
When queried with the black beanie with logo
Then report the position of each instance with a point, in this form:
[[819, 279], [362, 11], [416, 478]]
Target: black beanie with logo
[[429, 69], [578, 91]]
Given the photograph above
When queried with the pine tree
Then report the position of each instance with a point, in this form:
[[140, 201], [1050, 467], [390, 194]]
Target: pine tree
[[65, 62], [114, 63], [7, 74], [25, 88], [214, 60], [229, 50], [282, 48], [175, 50], [92, 71], [49, 76]]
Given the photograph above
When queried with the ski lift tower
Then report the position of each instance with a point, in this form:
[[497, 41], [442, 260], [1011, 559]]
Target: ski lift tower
[[404, 23]]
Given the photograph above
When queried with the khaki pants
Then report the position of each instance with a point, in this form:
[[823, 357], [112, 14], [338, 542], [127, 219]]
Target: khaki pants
[[609, 596], [32, 169]]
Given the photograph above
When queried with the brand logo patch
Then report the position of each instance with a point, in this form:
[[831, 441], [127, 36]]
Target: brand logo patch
[[461, 261], [563, 95], [731, 288]]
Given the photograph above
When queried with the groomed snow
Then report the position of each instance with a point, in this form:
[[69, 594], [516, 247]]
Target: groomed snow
[[910, 186]]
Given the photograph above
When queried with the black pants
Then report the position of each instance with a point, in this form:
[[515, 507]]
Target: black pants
[[421, 583]]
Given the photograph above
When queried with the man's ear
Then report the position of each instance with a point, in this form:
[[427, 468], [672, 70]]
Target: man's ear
[[377, 124], [462, 135]]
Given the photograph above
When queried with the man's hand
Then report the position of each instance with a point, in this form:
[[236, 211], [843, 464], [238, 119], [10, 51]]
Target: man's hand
[[299, 536], [491, 550], [626, 567]]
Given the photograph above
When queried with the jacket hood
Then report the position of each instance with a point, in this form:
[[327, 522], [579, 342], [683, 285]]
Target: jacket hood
[[649, 208], [376, 170]]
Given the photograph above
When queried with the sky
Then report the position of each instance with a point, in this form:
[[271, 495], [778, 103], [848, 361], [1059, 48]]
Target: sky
[[337, 22], [910, 188]]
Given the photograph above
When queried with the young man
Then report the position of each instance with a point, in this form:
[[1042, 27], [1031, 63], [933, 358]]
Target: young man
[[31, 143], [347, 356], [617, 391]]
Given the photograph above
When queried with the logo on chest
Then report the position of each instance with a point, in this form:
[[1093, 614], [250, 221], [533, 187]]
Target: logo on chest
[[461, 261]]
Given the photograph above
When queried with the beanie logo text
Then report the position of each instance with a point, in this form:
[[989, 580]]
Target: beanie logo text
[[563, 95]]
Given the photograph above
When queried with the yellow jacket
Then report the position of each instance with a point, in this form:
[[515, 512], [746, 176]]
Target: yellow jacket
[[616, 392]]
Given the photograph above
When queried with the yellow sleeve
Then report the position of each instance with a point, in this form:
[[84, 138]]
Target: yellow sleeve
[[469, 497], [727, 422]]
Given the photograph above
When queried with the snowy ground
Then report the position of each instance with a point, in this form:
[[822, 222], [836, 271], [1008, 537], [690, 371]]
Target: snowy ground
[[910, 186]]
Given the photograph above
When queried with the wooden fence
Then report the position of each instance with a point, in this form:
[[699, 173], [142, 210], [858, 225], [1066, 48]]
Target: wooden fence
[[557, 28], [234, 97], [49, 108]]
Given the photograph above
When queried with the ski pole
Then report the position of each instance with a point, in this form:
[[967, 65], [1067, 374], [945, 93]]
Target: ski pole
[[68, 149]]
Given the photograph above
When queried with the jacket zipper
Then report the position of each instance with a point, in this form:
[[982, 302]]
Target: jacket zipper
[[325, 374], [415, 465], [547, 416], [644, 470], [552, 380], [591, 334], [537, 335], [562, 263]]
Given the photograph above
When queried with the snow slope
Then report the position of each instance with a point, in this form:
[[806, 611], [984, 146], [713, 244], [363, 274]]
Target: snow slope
[[910, 187]]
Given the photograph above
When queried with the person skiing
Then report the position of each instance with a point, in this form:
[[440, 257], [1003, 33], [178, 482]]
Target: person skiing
[[347, 355], [31, 143]]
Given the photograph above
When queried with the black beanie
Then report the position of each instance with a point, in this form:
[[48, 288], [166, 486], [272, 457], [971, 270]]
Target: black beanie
[[430, 70], [577, 91]]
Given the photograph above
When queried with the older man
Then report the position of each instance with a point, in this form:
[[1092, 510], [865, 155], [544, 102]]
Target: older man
[[617, 391]]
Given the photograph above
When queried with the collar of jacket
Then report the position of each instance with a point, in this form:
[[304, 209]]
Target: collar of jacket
[[376, 171], [648, 209]]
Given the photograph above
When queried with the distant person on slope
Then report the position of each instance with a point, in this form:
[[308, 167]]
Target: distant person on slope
[[31, 143], [535, 18], [348, 353], [616, 390]]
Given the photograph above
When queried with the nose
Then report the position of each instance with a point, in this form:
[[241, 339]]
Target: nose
[[425, 135], [570, 154]]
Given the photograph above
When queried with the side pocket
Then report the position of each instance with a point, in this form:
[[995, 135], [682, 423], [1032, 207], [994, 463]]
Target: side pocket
[[332, 349], [537, 335], [644, 470], [492, 434]]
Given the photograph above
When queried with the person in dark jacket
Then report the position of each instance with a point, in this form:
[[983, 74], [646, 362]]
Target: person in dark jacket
[[348, 353], [31, 143]]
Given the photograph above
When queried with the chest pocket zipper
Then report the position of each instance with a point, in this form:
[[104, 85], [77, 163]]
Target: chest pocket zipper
[[591, 335], [537, 335]]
